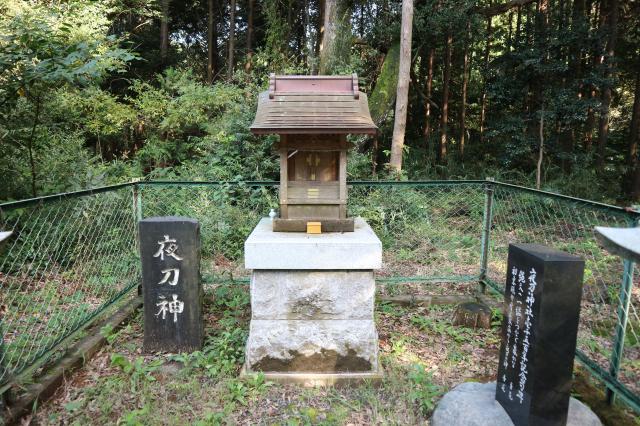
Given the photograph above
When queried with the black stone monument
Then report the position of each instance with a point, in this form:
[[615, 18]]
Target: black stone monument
[[170, 253], [539, 332]]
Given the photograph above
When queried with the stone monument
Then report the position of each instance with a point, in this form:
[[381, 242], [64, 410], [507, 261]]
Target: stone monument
[[170, 253], [312, 294], [539, 332]]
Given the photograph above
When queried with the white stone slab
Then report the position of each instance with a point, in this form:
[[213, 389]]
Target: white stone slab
[[312, 294], [624, 242], [265, 249], [312, 346]]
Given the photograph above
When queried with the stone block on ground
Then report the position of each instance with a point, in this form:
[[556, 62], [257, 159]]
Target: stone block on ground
[[312, 346], [474, 404], [473, 315]]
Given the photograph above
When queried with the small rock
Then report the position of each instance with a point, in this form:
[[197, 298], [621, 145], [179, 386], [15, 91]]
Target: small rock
[[473, 315]]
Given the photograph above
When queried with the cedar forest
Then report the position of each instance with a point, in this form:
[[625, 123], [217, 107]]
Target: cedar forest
[[541, 93]]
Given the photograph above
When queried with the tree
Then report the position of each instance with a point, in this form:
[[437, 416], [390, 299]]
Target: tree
[[212, 42], [232, 40], [609, 74], [444, 117], [335, 48], [634, 141], [384, 92], [51, 47], [164, 30], [250, 13], [428, 90], [485, 69], [463, 95], [400, 119]]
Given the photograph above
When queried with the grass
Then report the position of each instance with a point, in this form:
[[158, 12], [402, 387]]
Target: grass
[[423, 356]]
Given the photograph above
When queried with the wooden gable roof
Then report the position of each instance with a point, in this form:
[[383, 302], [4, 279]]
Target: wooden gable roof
[[313, 105]]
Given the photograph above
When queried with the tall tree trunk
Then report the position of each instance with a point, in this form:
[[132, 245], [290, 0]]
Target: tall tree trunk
[[305, 33], [442, 147], [374, 156], [319, 36], [485, 72], [402, 101], [540, 150], [634, 127], [598, 23], [384, 92], [250, 7], [575, 54], [212, 43], [609, 73], [336, 38], [232, 39], [427, 104], [518, 26], [329, 34], [30, 146], [634, 140], [164, 31], [463, 95], [538, 84], [510, 33]]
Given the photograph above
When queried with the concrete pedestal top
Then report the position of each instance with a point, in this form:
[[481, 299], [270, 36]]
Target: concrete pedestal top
[[358, 250], [625, 242]]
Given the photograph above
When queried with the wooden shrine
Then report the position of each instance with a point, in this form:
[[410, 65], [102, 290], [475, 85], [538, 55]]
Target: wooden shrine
[[313, 116]]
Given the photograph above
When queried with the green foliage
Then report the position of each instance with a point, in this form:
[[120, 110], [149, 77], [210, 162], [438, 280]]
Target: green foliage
[[44, 46], [42, 49], [424, 391], [139, 371], [223, 351], [384, 94]]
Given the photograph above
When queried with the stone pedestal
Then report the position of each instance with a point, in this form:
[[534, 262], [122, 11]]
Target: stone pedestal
[[312, 300]]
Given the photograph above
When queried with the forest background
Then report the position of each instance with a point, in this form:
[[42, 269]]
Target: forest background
[[542, 92]]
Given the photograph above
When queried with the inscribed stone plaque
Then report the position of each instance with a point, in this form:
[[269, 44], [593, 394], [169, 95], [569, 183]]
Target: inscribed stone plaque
[[539, 331], [170, 253]]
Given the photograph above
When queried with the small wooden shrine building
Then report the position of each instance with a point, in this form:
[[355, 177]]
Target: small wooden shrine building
[[313, 116]]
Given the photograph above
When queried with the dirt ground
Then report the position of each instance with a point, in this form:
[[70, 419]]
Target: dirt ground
[[422, 354]]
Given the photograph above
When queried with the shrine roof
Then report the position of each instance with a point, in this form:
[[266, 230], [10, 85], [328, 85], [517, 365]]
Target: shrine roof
[[313, 105]]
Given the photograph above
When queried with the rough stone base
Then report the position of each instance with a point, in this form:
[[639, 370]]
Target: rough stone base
[[309, 346], [474, 404], [312, 295]]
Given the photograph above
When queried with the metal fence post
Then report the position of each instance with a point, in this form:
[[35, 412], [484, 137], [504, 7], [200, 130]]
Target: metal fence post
[[486, 231], [623, 317], [4, 371], [137, 214]]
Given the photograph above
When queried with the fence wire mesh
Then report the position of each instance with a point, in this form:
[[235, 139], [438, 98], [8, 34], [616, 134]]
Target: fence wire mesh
[[428, 232], [66, 261], [72, 257]]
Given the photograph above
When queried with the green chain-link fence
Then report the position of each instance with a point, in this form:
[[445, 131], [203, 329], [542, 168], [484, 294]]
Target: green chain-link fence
[[68, 259], [72, 256]]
